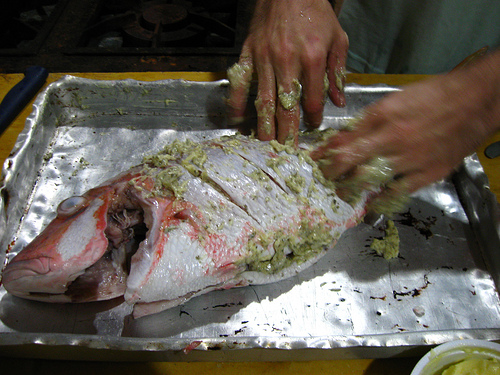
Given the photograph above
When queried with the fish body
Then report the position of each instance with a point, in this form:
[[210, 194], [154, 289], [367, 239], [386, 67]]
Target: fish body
[[223, 213]]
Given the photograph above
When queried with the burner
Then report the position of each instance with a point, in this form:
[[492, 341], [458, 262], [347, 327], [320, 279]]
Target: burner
[[162, 23], [159, 24], [164, 15]]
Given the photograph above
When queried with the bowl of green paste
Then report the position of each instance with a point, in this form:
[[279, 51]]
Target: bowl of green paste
[[461, 357]]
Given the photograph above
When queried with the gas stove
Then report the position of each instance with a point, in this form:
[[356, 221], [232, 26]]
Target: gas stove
[[122, 35]]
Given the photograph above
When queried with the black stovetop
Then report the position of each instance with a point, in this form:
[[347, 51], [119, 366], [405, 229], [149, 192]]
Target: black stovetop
[[122, 35]]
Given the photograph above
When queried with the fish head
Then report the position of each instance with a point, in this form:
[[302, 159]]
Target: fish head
[[71, 243]]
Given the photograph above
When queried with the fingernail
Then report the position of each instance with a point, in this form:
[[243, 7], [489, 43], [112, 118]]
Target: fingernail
[[314, 121]]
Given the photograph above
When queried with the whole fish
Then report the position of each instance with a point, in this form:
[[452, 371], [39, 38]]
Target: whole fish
[[196, 217]]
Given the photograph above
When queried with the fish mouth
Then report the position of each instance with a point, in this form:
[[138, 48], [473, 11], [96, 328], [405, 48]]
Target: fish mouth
[[22, 273], [107, 278]]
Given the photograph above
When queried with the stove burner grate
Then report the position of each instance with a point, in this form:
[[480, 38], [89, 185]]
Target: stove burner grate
[[161, 23]]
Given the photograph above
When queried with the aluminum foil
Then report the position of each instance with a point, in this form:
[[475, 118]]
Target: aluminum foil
[[351, 304]]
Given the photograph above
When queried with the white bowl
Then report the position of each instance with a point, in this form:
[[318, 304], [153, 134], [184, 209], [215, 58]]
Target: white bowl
[[445, 355]]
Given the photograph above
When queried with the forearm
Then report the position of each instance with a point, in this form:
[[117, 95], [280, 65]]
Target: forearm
[[484, 79], [474, 92]]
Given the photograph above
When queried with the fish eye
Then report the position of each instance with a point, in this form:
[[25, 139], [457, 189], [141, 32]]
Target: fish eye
[[71, 205]]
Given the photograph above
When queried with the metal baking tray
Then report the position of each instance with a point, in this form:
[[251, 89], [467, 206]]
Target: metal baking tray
[[351, 304]]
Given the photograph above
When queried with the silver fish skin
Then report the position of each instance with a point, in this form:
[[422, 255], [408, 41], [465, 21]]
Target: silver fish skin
[[227, 212]]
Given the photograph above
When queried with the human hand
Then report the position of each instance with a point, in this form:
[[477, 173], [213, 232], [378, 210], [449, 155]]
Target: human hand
[[418, 135], [296, 47]]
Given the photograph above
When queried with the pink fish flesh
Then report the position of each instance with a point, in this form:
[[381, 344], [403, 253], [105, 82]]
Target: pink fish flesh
[[197, 217]]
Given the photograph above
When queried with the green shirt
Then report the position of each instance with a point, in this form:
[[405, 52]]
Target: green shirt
[[420, 37]]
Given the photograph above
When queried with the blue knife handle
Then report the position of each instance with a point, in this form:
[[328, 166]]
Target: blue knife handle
[[493, 150], [20, 95]]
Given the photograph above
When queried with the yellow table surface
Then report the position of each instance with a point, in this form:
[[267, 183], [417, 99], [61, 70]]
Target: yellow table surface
[[393, 366]]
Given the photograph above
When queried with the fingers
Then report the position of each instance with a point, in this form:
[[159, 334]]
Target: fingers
[[346, 150], [240, 77], [288, 110], [374, 159], [336, 70], [360, 161], [315, 87], [265, 104], [278, 96], [324, 75]]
